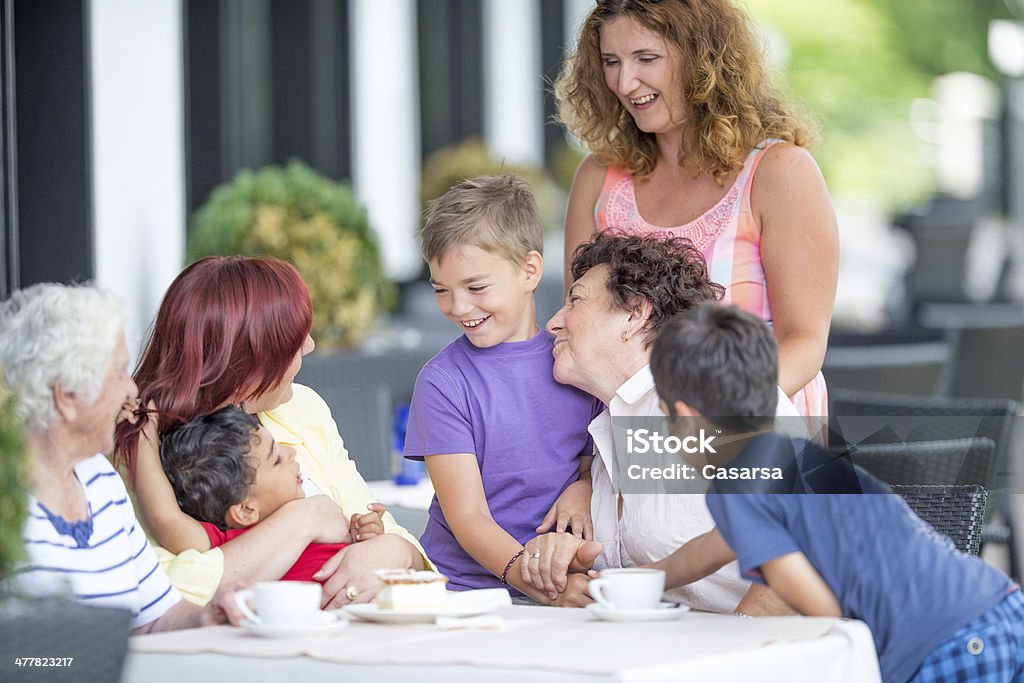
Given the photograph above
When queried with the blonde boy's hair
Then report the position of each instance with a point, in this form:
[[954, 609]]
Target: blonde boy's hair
[[495, 213]]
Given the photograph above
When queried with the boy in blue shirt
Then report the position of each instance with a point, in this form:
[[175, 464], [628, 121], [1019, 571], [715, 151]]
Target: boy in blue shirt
[[935, 613]]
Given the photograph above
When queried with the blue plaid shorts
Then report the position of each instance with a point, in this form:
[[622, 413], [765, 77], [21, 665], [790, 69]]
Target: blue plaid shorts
[[989, 648]]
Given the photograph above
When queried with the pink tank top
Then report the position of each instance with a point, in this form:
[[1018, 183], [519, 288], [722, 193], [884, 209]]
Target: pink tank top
[[730, 240]]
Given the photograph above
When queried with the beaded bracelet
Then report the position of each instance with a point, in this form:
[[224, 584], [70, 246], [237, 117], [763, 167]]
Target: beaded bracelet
[[504, 574]]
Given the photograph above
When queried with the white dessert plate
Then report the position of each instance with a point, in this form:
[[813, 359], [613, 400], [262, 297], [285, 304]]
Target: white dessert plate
[[663, 612], [370, 612], [325, 624], [460, 604]]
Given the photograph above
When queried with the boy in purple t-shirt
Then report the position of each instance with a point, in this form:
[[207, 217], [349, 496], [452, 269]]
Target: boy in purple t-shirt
[[505, 444]]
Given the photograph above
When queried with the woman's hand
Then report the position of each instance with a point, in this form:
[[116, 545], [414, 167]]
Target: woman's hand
[[130, 411], [329, 523], [551, 558], [348, 576], [222, 609], [158, 506], [370, 525], [149, 439], [571, 511]]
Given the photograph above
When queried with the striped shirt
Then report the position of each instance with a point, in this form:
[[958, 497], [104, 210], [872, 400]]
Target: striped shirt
[[104, 560]]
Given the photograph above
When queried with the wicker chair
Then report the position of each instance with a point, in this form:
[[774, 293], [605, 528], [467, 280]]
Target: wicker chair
[[955, 511], [859, 418], [934, 463]]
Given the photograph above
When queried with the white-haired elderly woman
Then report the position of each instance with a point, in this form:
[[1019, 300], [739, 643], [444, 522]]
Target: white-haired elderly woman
[[63, 355]]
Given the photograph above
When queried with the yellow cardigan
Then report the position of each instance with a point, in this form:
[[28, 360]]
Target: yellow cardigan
[[304, 422]]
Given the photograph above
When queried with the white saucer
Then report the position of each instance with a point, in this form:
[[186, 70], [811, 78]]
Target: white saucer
[[663, 612], [460, 604], [325, 624], [370, 612]]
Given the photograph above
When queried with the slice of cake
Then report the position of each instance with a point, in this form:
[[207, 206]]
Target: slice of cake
[[405, 589]]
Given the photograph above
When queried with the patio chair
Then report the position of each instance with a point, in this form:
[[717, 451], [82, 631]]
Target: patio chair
[[862, 418], [886, 336], [859, 417], [985, 342], [907, 368], [362, 391], [935, 463], [954, 511], [95, 638], [941, 229]]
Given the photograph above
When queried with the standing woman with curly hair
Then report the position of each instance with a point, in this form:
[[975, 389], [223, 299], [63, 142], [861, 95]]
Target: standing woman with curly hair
[[688, 138]]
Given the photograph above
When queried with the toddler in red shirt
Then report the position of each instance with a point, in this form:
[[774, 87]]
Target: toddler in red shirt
[[229, 473]]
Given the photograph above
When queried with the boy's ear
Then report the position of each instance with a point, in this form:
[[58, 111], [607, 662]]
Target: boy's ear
[[679, 409], [534, 268], [242, 515], [684, 409]]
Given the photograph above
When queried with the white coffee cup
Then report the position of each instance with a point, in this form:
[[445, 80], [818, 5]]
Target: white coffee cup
[[281, 602], [636, 588]]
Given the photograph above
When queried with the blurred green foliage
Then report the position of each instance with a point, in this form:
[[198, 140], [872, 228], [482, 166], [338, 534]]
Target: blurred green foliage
[[563, 161], [13, 486], [317, 224], [858, 65], [470, 158], [939, 36]]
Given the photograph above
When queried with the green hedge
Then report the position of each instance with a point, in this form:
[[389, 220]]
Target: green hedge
[[315, 223]]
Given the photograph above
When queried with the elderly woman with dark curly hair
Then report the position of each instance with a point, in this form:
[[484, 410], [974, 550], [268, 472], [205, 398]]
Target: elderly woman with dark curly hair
[[624, 288]]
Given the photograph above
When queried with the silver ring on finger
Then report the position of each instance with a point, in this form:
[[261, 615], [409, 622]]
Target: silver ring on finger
[[534, 556]]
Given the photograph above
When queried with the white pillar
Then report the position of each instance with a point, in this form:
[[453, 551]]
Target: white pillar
[[385, 126], [966, 100], [575, 12], [137, 152], [513, 82], [1013, 146]]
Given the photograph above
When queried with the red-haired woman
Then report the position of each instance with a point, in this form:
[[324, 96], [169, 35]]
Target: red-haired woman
[[233, 331]]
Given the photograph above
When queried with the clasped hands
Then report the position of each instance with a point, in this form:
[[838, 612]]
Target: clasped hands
[[557, 563]]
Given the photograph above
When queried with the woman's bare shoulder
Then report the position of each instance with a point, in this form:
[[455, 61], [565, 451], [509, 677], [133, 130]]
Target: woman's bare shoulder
[[784, 162], [586, 186], [786, 172], [590, 173]]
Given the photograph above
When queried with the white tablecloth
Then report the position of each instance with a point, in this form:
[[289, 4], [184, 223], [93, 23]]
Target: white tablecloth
[[536, 643]]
